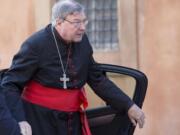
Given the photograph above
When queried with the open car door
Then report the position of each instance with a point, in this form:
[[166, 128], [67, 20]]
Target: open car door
[[103, 119]]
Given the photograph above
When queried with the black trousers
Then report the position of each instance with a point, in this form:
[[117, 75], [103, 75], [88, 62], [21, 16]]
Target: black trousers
[[45, 121]]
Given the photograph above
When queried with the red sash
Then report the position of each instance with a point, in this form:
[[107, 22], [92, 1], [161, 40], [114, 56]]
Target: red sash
[[59, 99]]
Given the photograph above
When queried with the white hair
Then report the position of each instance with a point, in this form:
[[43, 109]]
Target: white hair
[[63, 8]]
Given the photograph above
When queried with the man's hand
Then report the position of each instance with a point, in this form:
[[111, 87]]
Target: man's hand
[[25, 128], [136, 115]]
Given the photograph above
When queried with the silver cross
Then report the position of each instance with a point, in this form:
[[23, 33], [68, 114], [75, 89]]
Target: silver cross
[[64, 79]]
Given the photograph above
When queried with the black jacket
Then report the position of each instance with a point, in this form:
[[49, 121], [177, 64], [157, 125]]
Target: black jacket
[[38, 60]]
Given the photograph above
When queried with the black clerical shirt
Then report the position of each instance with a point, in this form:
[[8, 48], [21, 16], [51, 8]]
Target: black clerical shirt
[[38, 60]]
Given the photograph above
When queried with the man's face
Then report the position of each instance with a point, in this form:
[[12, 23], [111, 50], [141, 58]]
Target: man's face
[[73, 27]]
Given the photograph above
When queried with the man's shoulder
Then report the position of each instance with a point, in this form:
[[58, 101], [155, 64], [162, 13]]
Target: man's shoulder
[[38, 39]]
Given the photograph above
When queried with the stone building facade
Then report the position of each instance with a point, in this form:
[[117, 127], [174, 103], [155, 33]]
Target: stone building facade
[[149, 33]]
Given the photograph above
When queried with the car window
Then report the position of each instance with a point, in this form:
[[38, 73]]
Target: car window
[[125, 82]]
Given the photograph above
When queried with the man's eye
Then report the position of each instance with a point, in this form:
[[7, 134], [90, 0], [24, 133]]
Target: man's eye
[[77, 21]]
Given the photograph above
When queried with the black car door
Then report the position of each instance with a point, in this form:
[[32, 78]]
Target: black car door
[[104, 120]]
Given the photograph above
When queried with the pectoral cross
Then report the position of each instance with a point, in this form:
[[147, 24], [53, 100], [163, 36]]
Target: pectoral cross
[[64, 79]]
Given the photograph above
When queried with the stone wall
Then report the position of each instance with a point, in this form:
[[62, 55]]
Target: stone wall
[[150, 30], [159, 54], [16, 23], [19, 19]]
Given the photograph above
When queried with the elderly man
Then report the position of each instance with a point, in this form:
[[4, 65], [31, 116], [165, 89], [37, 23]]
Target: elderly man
[[50, 71]]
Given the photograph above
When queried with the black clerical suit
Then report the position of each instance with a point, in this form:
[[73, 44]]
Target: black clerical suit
[[38, 60], [8, 125]]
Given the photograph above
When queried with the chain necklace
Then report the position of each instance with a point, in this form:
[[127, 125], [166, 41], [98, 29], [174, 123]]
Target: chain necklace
[[64, 79]]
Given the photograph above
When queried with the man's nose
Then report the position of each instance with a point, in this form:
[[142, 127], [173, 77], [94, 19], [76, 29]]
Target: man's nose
[[82, 26]]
